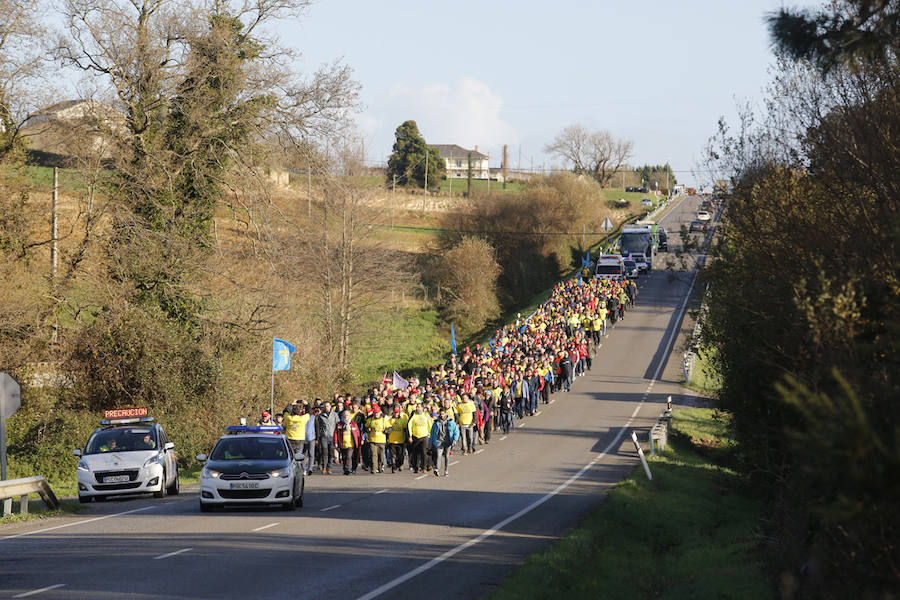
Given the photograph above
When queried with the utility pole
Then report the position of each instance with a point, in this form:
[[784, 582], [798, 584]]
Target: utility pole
[[450, 175], [54, 206], [505, 161], [393, 188], [54, 248], [426, 179], [308, 190]]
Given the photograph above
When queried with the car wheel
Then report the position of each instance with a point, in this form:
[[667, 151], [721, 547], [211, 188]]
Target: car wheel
[[84, 499], [206, 507], [162, 487], [175, 487], [289, 505]]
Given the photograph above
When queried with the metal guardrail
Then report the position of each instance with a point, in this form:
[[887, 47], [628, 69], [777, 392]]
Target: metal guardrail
[[20, 488]]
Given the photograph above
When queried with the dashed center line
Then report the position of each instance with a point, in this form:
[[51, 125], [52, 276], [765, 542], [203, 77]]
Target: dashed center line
[[43, 589], [265, 527], [332, 507], [454, 463], [504, 437], [421, 477], [479, 451], [537, 413], [170, 554], [381, 491], [522, 425]]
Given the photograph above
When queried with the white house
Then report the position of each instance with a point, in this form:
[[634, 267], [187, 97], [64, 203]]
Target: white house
[[456, 159]]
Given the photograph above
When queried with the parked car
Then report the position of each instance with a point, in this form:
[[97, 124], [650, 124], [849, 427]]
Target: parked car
[[663, 240], [697, 225], [646, 202], [703, 215]]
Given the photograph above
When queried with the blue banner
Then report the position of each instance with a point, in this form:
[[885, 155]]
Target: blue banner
[[452, 339], [281, 355]]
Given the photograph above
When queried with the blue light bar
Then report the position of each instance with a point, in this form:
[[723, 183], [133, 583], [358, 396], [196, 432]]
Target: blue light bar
[[253, 429]]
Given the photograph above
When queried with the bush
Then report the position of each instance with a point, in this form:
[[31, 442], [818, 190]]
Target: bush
[[468, 274]]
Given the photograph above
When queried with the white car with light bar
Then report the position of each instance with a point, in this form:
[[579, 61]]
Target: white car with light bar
[[129, 454], [250, 465]]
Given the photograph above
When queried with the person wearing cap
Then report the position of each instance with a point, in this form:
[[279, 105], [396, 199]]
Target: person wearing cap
[[375, 427], [266, 419], [397, 438]]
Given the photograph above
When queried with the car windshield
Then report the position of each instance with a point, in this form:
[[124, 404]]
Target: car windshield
[[122, 439], [630, 264], [634, 243], [249, 448], [609, 270]]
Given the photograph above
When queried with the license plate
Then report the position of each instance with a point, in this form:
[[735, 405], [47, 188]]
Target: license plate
[[115, 479], [245, 485]]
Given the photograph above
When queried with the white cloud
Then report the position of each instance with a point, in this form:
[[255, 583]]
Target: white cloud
[[465, 113]]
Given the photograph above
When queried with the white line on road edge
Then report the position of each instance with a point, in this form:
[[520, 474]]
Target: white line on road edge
[[43, 589], [332, 507], [176, 553], [127, 512], [265, 527], [498, 526], [381, 491]]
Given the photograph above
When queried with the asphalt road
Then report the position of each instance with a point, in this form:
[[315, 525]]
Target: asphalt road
[[392, 535]]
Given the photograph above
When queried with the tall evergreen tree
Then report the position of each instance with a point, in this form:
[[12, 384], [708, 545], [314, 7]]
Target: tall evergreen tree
[[408, 160]]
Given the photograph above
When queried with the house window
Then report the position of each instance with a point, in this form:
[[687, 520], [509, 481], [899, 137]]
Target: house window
[[459, 164]]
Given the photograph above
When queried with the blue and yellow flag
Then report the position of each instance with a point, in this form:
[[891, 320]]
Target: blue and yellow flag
[[452, 339], [281, 355]]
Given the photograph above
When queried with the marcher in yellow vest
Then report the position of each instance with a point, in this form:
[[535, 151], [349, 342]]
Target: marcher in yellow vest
[[466, 409], [397, 438], [419, 428], [375, 426]]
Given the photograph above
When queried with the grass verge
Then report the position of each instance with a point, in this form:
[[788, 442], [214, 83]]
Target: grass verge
[[704, 378], [689, 533]]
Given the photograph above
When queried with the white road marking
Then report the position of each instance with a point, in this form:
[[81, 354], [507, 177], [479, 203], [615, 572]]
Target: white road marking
[[36, 531], [479, 451], [381, 491], [265, 526], [500, 525], [522, 425], [332, 507], [454, 463], [43, 589], [504, 437], [537, 413], [421, 476], [170, 554], [552, 401]]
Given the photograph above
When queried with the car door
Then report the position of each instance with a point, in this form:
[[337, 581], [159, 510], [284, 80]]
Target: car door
[[169, 457]]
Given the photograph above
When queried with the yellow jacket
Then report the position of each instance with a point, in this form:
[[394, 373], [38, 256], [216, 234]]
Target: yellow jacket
[[295, 427], [376, 426], [419, 425], [398, 429]]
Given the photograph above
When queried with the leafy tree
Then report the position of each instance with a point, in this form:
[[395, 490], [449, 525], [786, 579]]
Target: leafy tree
[[408, 160], [468, 275], [867, 30]]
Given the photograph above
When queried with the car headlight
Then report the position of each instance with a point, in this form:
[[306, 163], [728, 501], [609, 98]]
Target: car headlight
[[208, 473], [82, 466], [152, 460], [285, 473]]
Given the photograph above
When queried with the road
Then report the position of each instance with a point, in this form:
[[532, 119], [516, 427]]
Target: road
[[392, 535]]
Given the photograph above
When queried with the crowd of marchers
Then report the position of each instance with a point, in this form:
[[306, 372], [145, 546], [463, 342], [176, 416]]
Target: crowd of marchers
[[465, 402]]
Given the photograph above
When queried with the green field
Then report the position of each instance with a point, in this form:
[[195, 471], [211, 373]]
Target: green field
[[692, 532]]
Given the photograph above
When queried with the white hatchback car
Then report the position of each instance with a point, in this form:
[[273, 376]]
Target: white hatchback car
[[127, 456], [703, 215]]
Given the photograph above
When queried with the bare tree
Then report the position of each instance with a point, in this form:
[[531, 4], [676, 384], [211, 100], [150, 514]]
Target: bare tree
[[597, 153]]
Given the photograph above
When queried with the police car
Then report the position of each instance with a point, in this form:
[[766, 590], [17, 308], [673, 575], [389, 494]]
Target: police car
[[250, 465], [128, 454]]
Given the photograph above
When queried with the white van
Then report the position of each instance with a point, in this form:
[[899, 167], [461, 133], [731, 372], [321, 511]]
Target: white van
[[610, 266]]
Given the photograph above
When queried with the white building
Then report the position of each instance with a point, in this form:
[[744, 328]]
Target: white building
[[456, 159]]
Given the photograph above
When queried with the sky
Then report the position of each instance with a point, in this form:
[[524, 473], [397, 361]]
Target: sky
[[492, 72]]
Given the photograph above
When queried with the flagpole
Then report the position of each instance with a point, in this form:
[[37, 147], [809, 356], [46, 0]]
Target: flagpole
[[272, 397]]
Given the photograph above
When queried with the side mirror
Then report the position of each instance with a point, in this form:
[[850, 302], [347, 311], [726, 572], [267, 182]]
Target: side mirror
[[201, 457], [77, 451], [170, 445]]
